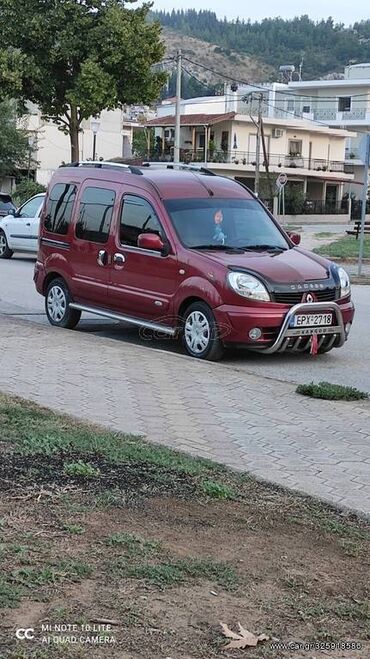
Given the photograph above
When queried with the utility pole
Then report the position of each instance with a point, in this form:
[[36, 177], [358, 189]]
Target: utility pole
[[249, 98], [266, 158], [366, 157], [258, 145], [178, 108]]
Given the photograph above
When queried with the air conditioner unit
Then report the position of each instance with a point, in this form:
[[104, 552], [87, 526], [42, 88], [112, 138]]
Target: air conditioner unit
[[277, 132]]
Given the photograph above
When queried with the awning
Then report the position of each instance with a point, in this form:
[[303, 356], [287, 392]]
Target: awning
[[191, 120]]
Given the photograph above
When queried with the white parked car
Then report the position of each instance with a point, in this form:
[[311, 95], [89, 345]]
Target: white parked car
[[19, 231]]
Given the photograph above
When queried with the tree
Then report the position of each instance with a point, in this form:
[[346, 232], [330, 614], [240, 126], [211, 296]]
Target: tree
[[25, 189], [327, 46], [143, 142], [74, 58], [13, 140]]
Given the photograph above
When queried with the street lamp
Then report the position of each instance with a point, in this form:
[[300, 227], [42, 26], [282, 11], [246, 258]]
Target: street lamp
[[31, 146], [94, 125]]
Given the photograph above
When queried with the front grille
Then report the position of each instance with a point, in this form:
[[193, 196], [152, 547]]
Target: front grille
[[326, 295]]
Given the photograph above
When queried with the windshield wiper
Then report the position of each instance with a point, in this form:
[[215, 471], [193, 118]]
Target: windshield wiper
[[218, 247], [267, 248]]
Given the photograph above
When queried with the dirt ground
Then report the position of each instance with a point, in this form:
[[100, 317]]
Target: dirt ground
[[144, 561], [288, 581]]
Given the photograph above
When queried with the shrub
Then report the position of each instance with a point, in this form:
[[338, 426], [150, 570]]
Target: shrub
[[81, 469], [26, 189], [329, 391]]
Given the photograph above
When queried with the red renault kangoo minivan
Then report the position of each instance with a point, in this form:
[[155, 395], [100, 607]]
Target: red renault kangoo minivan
[[181, 251]]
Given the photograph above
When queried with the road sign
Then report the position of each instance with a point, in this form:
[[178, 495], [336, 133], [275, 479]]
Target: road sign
[[281, 181]]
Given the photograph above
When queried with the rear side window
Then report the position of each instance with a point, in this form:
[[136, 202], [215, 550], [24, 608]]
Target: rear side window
[[6, 203], [59, 206], [96, 208], [137, 217]]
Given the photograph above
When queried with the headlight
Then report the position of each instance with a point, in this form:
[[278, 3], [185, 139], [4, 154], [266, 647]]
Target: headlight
[[248, 286], [345, 284]]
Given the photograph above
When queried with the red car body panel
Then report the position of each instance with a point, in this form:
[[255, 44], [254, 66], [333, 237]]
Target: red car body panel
[[151, 286]]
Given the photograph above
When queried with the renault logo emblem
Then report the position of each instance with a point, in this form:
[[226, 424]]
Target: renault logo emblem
[[309, 297]]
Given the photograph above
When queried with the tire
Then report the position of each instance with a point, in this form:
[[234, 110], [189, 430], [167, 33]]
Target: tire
[[200, 334], [5, 251], [57, 301]]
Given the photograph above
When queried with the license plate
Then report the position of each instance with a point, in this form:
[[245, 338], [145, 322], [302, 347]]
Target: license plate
[[313, 320]]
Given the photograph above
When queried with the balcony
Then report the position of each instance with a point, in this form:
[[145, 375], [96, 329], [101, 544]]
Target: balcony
[[248, 160], [331, 114]]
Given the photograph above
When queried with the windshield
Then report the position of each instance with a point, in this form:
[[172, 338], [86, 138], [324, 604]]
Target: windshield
[[6, 202], [225, 223]]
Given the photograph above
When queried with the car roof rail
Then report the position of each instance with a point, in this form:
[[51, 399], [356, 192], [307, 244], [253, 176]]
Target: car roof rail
[[179, 165], [104, 164]]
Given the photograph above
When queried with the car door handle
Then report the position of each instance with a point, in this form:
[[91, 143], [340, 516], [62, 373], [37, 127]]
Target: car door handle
[[119, 259], [28, 224], [102, 258]]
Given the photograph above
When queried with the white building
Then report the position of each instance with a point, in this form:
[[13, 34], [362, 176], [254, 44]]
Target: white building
[[219, 132], [50, 147], [341, 104]]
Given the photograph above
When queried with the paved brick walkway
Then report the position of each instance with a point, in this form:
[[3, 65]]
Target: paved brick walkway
[[213, 410]]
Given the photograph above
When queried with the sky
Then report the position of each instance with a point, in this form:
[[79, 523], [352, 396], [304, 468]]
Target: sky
[[343, 11]]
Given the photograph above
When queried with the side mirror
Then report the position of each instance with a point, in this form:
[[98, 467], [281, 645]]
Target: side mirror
[[12, 212], [150, 241], [294, 237]]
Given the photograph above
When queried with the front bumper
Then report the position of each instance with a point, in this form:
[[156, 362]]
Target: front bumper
[[277, 333]]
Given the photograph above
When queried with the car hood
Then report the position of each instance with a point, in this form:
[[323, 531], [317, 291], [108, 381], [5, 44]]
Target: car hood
[[293, 265]]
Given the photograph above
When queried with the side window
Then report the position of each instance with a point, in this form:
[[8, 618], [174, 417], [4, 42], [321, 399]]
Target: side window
[[137, 216], [59, 206], [95, 215], [30, 208]]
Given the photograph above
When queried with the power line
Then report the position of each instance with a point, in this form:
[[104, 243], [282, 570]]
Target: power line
[[262, 87], [276, 108], [200, 82]]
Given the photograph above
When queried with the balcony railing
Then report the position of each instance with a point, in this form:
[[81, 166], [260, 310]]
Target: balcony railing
[[356, 209], [312, 207], [248, 159], [331, 114]]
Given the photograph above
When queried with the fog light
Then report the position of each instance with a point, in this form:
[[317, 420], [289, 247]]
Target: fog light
[[347, 328], [255, 333]]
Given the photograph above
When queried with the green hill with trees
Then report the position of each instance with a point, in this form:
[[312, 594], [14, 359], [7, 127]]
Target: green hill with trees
[[325, 45]]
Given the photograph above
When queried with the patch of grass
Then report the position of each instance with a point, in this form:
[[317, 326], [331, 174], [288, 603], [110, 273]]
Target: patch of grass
[[344, 609], [110, 497], [35, 430], [74, 529], [173, 572], [328, 391], [216, 490], [351, 548], [347, 247], [336, 527], [323, 234], [294, 583], [10, 594], [82, 469], [133, 544], [68, 570], [315, 515], [353, 610]]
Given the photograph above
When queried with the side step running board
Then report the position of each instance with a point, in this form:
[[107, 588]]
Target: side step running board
[[125, 319]]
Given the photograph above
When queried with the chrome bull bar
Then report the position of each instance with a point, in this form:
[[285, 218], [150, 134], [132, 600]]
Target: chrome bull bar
[[286, 332]]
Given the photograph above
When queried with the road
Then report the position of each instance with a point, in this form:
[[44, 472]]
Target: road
[[348, 365]]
